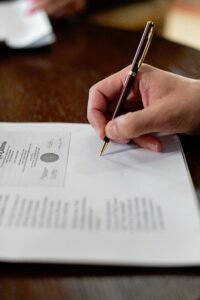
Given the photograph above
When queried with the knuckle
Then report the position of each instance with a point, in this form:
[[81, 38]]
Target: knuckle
[[91, 97], [88, 116], [92, 90]]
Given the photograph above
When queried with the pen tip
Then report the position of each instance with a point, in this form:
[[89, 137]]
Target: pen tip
[[103, 148]]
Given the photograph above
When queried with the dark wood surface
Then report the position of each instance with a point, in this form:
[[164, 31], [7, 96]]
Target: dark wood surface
[[51, 85]]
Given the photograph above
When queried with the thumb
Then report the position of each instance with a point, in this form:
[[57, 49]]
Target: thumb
[[135, 124]]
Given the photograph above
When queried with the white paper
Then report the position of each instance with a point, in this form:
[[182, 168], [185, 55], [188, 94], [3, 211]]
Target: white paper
[[18, 29], [129, 207]]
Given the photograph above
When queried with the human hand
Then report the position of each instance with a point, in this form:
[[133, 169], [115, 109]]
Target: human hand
[[171, 104], [58, 8]]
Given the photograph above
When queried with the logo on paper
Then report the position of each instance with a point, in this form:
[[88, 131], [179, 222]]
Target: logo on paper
[[49, 157], [2, 148]]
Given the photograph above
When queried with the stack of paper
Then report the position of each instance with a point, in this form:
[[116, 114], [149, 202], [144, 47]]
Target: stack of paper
[[61, 202], [18, 29]]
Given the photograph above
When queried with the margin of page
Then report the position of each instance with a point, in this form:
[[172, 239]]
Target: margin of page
[[188, 173]]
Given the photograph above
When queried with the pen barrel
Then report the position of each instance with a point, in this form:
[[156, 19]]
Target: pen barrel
[[136, 63], [124, 94], [143, 46]]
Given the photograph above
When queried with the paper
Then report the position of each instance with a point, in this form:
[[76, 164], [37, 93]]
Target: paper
[[24, 165], [61, 202], [18, 29]]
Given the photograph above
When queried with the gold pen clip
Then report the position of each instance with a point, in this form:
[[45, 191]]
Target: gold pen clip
[[150, 36]]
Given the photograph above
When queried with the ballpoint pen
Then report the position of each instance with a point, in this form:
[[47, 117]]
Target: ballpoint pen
[[136, 63]]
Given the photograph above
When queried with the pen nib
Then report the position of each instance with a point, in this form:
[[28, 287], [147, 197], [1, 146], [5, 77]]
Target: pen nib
[[103, 148]]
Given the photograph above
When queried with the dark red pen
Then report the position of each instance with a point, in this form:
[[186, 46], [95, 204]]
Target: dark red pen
[[136, 63]]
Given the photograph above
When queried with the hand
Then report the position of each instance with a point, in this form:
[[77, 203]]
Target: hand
[[171, 103], [58, 8]]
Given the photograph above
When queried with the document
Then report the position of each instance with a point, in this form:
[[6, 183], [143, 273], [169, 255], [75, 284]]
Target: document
[[60, 202], [19, 29]]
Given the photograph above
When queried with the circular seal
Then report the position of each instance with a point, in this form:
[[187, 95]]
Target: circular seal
[[49, 157]]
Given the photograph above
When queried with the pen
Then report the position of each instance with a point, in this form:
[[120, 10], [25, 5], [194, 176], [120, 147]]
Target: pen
[[136, 63]]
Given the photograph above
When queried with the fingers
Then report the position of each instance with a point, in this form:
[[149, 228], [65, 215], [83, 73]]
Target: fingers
[[98, 122], [130, 125], [149, 142], [101, 96], [135, 124], [133, 127], [60, 7], [107, 91], [38, 4], [96, 111], [170, 104]]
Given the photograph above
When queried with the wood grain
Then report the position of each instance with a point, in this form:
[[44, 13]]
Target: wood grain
[[51, 85]]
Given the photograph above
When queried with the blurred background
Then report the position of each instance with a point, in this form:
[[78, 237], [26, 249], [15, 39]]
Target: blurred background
[[176, 20]]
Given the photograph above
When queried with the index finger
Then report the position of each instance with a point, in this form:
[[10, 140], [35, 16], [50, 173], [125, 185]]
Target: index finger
[[99, 96]]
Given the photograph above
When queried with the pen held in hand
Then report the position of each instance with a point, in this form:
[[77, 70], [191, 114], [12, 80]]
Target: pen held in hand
[[130, 79]]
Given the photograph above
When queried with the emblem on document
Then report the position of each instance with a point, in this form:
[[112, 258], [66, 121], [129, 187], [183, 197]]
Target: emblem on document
[[49, 157]]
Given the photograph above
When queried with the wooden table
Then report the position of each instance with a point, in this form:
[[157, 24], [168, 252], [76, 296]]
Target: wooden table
[[51, 85]]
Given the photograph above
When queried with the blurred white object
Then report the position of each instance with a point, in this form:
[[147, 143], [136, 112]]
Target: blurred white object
[[19, 29], [183, 22]]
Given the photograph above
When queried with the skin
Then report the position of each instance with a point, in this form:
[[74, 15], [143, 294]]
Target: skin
[[171, 103], [58, 8]]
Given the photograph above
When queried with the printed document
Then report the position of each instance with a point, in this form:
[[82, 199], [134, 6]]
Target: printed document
[[60, 202]]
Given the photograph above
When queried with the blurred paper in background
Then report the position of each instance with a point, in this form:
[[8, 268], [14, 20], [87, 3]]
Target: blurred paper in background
[[18, 29]]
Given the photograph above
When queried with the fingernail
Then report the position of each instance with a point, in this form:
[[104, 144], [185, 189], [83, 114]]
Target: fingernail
[[101, 133], [153, 147], [126, 141], [31, 11]]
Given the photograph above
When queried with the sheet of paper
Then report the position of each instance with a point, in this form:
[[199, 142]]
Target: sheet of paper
[[21, 30], [61, 202]]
